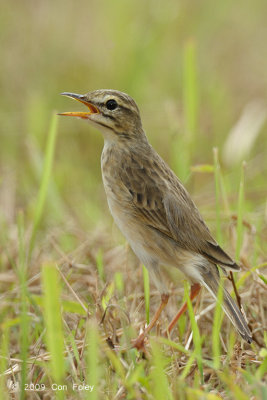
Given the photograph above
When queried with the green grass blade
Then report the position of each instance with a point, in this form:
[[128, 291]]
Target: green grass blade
[[53, 322], [146, 292], [190, 92], [188, 366], [184, 144], [24, 325], [54, 200], [248, 274], [174, 345], [160, 385], [92, 360], [217, 322], [100, 265], [73, 344], [48, 162], [196, 334], [217, 195], [240, 212], [263, 279], [4, 340], [116, 363], [262, 370], [67, 305], [119, 284], [236, 391]]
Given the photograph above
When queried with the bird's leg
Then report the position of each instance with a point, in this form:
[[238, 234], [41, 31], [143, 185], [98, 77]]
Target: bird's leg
[[195, 288], [139, 342]]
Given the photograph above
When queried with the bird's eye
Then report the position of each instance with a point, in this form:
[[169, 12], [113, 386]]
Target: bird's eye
[[111, 104]]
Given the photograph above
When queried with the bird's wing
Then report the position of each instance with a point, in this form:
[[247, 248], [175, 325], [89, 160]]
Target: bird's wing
[[190, 231], [161, 202]]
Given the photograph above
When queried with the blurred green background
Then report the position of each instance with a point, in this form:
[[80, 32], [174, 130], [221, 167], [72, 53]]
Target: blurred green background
[[198, 71], [139, 47]]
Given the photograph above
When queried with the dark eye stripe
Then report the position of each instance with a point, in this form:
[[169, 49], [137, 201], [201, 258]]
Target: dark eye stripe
[[101, 123], [127, 109], [109, 116]]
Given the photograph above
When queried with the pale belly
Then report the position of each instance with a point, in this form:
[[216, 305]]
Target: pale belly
[[132, 231], [151, 247], [146, 243]]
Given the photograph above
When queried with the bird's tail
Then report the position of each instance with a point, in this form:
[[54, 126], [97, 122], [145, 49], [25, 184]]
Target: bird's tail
[[211, 281]]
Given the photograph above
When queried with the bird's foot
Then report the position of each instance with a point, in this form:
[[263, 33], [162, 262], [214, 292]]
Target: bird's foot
[[139, 343]]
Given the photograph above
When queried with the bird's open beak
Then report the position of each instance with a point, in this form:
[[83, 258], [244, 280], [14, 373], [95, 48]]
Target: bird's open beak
[[80, 114]]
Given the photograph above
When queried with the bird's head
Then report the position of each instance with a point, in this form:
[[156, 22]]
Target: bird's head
[[114, 113]]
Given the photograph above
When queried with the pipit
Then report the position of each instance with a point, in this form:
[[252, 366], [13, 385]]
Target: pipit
[[152, 208]]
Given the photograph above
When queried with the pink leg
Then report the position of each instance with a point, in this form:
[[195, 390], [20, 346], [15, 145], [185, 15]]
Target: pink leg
[[195, 288], [139, 342]]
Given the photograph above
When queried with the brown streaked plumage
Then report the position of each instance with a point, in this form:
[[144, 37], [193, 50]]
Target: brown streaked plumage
[[151, 206]]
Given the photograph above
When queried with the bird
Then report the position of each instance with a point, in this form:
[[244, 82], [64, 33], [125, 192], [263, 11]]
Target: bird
[[152, 208]]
